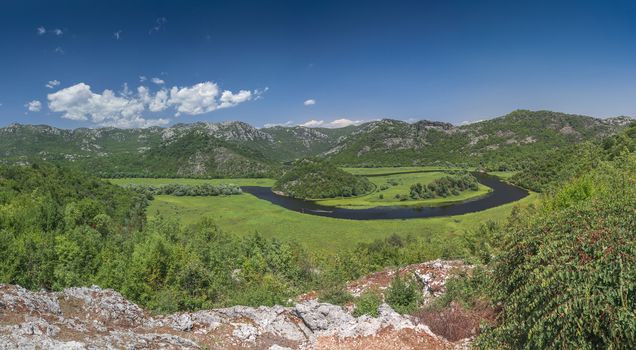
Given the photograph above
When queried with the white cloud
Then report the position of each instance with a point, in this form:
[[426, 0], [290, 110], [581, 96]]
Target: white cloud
[[40, 30], [78, 102], [34, 106], [117, 34], [468, 122], [287, 123], [338, 123], [229, 99], [310, 102], [159, 23], [341, 123], [197, 99], [58, 32], [59, 50], [52, 83], [312, 123], [156, 103], [157, 81], [126, 108]]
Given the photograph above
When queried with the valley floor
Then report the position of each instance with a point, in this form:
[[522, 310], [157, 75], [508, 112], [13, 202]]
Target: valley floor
[[245, 214]]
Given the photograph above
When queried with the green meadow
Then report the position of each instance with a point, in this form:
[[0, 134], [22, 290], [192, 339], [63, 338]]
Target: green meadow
[[394, 190], [245, 214]]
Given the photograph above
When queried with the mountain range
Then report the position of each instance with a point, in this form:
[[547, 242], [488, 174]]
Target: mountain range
[[237, 149]]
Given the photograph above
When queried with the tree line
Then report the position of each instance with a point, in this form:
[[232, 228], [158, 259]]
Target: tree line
[[204, 189], [445, 186]]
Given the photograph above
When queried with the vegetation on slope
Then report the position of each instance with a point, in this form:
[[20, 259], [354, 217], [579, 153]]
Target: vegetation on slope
[[314, 178], [564, 272], [558, 166], [236, 149], [59, 228]]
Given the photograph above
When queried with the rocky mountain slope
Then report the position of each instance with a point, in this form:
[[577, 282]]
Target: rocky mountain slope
[[237, 149], [86, 318]]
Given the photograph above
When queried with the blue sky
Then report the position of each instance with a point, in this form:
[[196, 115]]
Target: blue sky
[[261, 61]]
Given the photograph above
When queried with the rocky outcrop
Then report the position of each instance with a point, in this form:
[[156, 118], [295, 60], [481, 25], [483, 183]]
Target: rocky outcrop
[[92, 318]]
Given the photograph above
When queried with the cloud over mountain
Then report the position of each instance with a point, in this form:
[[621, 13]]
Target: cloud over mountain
[[127, 109]]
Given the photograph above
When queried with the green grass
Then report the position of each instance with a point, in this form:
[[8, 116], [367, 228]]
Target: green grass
[[402, 188], [150, 181], [246, 214]]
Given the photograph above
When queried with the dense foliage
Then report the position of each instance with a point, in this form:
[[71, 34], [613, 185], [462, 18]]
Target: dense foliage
[[314, 178], [566, 272], [186, 190], [444, 187], [53, 224], [557, 166], [60, 228], [404, 294]]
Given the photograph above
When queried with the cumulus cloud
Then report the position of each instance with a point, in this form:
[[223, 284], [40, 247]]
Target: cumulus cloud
[[157, 81], [126, 108], [313, 123], [142, 78], [270, 125], [34, 106], [229, 99], [338, 123], [78, 102], [52, 83], [40, 30], [197, 99], [58, 32], [310, 102], [157, 102], [468, 122]]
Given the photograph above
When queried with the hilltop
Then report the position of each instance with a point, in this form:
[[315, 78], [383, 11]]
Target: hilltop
[[237, 149]]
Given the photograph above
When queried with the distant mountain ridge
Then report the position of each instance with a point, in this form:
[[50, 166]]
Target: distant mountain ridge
[[235, 149]]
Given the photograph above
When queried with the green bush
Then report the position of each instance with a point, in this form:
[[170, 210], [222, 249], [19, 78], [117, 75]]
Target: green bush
[[566, 274], [404, 295], [336, 295], [368, 304]]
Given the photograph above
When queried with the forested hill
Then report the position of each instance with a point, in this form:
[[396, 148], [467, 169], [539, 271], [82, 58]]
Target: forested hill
[[237, 149]]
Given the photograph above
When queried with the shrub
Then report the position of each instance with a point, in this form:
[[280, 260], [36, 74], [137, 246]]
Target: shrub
[[368, 304], [404, 295], [566, 275], [336, 295]]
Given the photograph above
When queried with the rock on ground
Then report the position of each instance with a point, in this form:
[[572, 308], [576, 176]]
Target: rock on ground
[[95, 318]]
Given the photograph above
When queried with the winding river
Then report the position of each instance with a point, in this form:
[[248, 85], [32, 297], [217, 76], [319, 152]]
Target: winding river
[[502, 193]]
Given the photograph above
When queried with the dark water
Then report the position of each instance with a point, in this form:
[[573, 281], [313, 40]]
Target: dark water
[[502, 193]]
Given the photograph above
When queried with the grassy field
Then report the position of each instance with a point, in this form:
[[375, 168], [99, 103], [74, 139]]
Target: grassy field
[[245, 214], [398, 187]]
